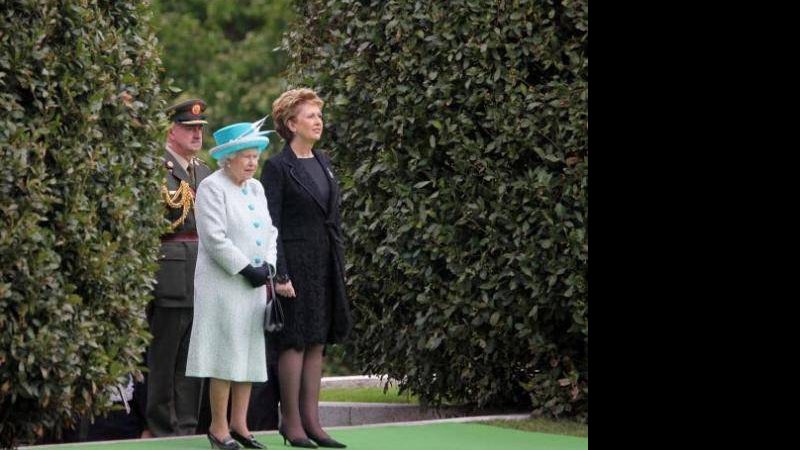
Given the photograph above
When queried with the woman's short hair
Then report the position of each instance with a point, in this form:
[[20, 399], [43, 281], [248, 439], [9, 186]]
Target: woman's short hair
[[287, 106], [224, 160]]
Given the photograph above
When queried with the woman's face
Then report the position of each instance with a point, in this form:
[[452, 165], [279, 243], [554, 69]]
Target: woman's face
[[307, 124], [243, 164]]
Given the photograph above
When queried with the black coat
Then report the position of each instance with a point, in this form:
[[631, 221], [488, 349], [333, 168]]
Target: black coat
[[310, 247]]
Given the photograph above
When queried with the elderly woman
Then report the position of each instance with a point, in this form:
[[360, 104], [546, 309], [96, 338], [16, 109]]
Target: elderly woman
[[304, 204], [236, 256]]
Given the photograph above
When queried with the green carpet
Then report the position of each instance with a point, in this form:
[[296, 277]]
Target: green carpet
[[442, 436]]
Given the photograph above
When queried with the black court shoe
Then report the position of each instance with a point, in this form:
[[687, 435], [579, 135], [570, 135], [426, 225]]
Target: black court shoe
[[304, 443], [326, 442], [230, 444], [247, 442]]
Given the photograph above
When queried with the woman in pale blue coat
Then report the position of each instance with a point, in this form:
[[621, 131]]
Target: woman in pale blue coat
[[236, 256]]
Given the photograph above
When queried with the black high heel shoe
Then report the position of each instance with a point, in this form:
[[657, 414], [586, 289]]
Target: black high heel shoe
[[230, 444], [326, 442], [304, 443], [247, 442]]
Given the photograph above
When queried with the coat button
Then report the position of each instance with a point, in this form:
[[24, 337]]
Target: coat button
[[256, 224], [251, 206], [258, 260], [244, 191], [258, 242]]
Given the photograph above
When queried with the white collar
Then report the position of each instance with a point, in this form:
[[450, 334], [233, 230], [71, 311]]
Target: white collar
[[181, 160]]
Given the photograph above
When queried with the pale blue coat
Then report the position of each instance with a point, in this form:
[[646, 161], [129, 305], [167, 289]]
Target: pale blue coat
[[235, 229]]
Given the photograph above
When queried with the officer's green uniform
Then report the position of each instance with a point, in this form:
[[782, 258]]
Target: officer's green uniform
[[173, 400]]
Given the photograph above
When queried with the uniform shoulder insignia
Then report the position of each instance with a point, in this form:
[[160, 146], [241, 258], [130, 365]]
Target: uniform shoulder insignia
[[200, 162], [168, 163]]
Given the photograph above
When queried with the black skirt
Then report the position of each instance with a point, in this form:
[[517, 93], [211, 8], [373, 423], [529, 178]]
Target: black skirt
[[309, 315]]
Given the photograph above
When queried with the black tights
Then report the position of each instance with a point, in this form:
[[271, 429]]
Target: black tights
[[300, 373]]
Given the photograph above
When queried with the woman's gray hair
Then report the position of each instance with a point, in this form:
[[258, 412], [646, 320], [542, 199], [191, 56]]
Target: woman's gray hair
[[224, 160]]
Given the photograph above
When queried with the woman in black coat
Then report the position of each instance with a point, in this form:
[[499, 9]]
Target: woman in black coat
[[303, 198]]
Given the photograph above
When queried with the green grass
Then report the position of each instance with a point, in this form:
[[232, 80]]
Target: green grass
[[442, 436], [366, 395], [564, 427]]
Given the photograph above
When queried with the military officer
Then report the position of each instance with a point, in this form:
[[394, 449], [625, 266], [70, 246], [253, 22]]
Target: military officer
[[173, 400]]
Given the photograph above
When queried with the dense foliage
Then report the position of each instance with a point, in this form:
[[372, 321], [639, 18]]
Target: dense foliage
[[80, 119], [460, 134]]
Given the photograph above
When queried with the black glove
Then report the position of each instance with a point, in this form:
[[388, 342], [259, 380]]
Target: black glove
[[257, 276]]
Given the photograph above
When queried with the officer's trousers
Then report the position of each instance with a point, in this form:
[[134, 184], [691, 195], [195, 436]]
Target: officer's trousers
[[173, 399]]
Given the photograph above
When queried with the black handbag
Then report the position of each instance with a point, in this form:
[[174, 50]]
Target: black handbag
[[273, 315]]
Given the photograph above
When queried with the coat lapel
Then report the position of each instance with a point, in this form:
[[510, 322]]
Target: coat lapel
[[334, 186], [177, 169], [299, 174]]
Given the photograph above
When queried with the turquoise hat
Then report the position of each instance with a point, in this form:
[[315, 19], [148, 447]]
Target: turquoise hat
[[240, 136]]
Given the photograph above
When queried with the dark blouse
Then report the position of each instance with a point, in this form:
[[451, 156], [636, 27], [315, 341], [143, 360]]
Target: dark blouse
[[314, 168]]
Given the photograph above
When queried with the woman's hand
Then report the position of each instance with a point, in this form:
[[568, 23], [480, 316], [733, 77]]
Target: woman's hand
[[285, 289], [257, 276]]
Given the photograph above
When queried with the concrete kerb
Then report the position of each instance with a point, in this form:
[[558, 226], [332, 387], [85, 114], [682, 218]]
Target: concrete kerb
[[354, 381], [335, 414], [434, 421]]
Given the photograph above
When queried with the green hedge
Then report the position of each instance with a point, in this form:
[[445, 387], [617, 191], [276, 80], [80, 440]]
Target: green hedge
[[79, 145], [460, 134]]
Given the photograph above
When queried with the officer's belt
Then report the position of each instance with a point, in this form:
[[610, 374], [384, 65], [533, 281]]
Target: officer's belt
[[184, 236]]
